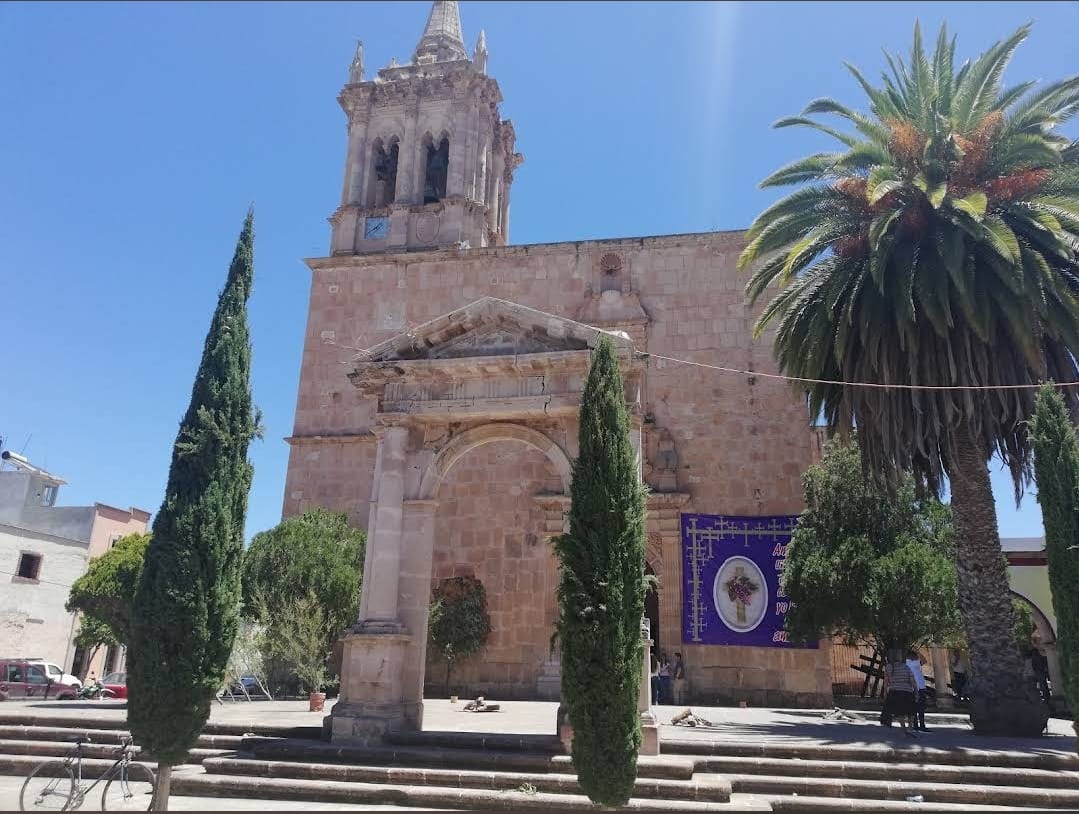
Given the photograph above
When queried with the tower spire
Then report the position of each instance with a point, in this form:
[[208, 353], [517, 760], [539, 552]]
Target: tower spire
[[479, 55], [355, 70], [441, 40]]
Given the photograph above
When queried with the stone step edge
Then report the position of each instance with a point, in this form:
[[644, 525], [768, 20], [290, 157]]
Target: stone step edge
[[674, 767], [877, 789], [863, 770], [88, 722], [798, 803], [204, 785], [58, 734], [503, 742], [1004, 759], [101, 751], [710, 788]]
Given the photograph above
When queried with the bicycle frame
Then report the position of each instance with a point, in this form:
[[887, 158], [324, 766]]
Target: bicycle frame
[[74, 762]]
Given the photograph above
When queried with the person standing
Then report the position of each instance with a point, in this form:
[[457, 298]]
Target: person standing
[[899, 691], [655, 680], [679, 679], [959, 676], [666, 680], [1040, 665], [915, 662]]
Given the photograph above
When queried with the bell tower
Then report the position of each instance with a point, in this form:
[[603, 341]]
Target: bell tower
[[430, 161]]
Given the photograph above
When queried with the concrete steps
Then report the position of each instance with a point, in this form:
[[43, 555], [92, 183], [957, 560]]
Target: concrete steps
[[104, 736], [470, 771], [901, 772], [701, 788], [876, 790], [673, 767], [1050, 761], [103, 751]]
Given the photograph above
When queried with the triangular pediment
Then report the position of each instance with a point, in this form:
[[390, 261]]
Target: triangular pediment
[[489, 327]]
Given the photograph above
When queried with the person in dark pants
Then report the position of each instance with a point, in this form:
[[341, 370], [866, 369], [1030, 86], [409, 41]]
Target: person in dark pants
[[666, 680], [899, 691], [915, 662], [1040, 665]]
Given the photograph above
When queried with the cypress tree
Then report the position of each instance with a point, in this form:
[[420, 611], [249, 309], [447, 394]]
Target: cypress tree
[[187, 607], [1056, 467], [601, 591]]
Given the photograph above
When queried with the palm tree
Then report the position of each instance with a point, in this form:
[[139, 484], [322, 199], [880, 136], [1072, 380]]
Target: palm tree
[[936, 248]]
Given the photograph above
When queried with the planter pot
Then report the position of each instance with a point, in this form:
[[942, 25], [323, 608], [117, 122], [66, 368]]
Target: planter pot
[[316, 701], [453, 699]]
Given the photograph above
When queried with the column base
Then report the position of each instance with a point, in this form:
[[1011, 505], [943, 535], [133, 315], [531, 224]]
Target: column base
[[372, 702], [649, 734], [363, 724]]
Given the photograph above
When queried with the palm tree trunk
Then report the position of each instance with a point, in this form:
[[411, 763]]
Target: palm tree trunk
[[1001, 703]]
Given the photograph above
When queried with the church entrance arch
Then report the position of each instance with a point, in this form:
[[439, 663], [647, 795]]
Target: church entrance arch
[[489, 433], [488, 374], [494, 486]]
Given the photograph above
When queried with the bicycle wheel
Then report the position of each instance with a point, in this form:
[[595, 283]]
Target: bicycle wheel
[[49, 787], [130, 789]]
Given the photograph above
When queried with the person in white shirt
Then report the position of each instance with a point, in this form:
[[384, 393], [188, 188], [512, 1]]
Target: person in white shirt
[[915, 662]]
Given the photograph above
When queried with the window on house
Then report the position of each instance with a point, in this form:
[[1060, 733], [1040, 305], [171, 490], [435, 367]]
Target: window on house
[[29, 566], [48, 496], [114, 540]]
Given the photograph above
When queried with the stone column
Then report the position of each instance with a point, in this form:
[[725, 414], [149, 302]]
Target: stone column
[[942, 676], [375, 650], [356, 168], [378, 599], [408, 155], [649, 728], [418, 543]]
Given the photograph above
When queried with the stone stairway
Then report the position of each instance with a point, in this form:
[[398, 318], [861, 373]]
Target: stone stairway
[[457, 770]]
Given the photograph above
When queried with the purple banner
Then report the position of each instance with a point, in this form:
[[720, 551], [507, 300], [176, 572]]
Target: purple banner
[[730, 569]]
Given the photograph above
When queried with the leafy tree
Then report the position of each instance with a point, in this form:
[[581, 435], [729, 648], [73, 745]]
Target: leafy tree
[[104, 594], [458, 622], [601, 590], [1024, 624], [313, 555], [187, 607], [868, 564], [936, 247], [94, 634], [298, 638], [1056, 459]]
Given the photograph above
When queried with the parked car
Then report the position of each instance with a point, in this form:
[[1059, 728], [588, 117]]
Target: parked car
[[57, 674], [22, 678], [116, 683]]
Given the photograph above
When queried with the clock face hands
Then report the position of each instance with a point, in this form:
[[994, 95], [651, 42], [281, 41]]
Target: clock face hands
[[376, 228]]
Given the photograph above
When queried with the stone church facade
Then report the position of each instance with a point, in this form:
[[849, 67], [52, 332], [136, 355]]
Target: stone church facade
[[440, 388]]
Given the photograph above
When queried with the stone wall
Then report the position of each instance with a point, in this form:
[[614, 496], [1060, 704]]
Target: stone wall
[[487, 525], [741, 442]]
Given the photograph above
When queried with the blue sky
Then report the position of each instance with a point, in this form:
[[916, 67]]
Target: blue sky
[[135, 135]]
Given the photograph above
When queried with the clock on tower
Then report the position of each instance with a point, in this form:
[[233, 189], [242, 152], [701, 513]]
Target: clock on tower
[[376, 228]]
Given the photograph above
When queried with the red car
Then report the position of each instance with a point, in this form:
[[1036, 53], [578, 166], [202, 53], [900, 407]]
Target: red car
[[116, 683]]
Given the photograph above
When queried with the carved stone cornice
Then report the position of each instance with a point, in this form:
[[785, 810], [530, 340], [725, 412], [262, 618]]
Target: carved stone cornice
[[331, 438]]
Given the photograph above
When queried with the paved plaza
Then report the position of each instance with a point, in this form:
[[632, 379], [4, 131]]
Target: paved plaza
[[743, 725]]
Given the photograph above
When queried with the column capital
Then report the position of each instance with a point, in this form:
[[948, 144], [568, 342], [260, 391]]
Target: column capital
[[421, 506], [385, 422]]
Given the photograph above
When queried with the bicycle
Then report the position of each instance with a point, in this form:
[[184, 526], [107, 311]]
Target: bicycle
[[57, 785]]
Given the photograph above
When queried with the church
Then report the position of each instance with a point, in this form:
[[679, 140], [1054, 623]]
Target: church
[[439, 396]]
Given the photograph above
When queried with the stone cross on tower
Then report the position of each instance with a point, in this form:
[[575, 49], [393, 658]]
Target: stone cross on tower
[[430, 161]]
